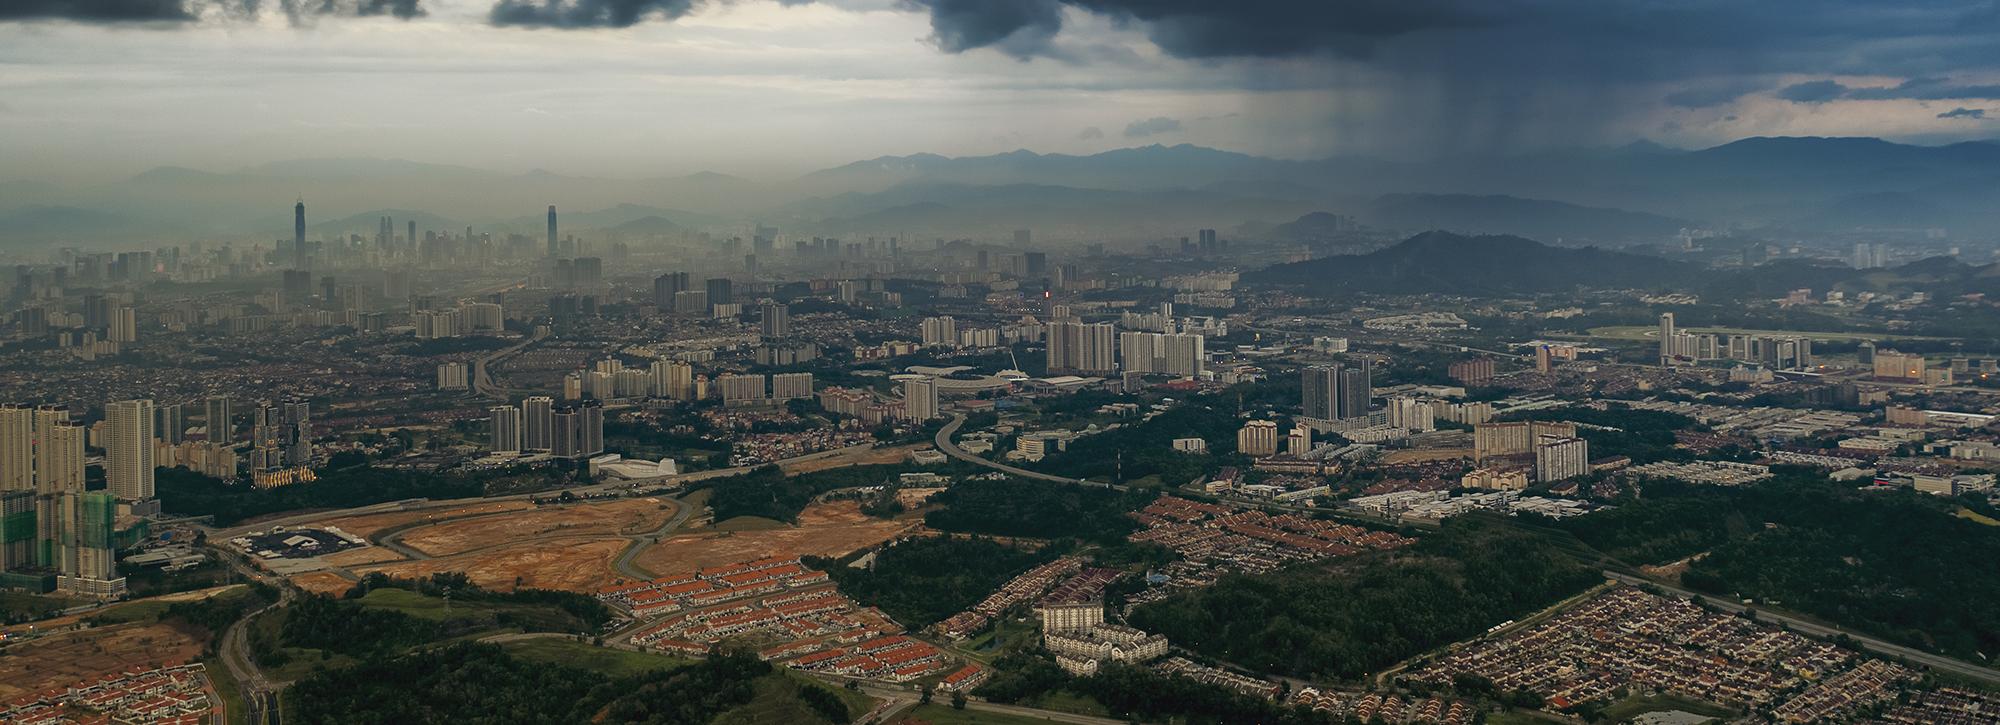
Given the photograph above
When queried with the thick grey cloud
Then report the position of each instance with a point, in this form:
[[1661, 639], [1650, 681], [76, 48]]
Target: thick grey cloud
[[1021, 28], [1813, 92], [1152, 126], [97, 11], [1090, 134], [1976, 113], [1711, 96], [1919, 89], [585, 13]]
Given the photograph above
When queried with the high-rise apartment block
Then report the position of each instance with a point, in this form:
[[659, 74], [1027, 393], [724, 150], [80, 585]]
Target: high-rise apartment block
[[128, 449]]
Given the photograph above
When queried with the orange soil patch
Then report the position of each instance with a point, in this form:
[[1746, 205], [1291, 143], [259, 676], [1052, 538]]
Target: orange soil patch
[[912, 498], [574, 566], [615, 518], [363, 555], [832, 529], [868, 457], [323, 582], [366, 525], [68, 658]]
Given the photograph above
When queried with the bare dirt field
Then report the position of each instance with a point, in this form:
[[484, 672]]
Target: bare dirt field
[[868, 457], [830, 529], [366, 525], [912, 498], [582, 566], [363, 555], [612, 519], [71, 657], [323, 582], [1422, 455]]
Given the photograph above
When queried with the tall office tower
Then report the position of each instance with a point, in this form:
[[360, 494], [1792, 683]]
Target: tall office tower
[[221, 429], [17, 448], [506, 429], [18, 529], [1207, 239], [169, 423], [940, 331], [1319, 392], [593, 428], [124, 325], [297, 433], [920, 400], [537, 423], [552, 230], [1666, 338], [777, 321], [411, 240], [1357, 387], [1036, 264], [299, 234], [89, 564], [666, 286], [128, 449], [721, 290]]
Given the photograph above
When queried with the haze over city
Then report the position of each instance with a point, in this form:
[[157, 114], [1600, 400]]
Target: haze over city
[[944, 362]]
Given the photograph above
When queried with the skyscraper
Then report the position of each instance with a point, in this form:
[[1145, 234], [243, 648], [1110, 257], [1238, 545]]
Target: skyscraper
[[1356, 389], [17, 448], [1666, 338], [552, 230], [777, 321], [168, 423], [1088, 348], [59, 458], [299, 234], [537, 423], [221, 430], [1319, 392], [506, 429], [920, 400], [128, 449]]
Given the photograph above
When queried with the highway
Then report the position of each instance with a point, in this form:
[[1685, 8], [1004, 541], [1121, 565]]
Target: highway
[[1938, 662], [482, 382], [945, 444]]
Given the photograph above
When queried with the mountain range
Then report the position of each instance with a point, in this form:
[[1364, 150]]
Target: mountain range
[[1641, 192], [1443, 263]]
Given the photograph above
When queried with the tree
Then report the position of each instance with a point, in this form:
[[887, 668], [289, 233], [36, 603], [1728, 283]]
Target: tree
[[957, 700]]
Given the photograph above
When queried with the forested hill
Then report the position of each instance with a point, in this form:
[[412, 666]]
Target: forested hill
[[1446, 263]]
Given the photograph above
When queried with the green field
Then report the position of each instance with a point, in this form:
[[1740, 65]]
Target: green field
[[1636, 705], [23, 605], [582, 655], [777, 703], [942, 714], [1650, 332], [226, 689]]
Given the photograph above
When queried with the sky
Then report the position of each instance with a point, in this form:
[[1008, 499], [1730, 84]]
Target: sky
[[92, 90]]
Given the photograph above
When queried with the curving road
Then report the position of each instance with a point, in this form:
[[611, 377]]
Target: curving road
[[945, 444], [623, 564]]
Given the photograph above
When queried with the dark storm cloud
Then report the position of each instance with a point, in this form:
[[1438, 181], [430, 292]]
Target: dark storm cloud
[[585, 13], [1021, 28], [1813, 92], [1918, 89], [1978, 113], [1152, 126], [185, 11], [302, 12], [96, 11]]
